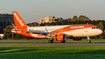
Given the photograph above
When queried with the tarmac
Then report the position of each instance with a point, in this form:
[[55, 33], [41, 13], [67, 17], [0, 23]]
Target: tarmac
[[102, 43]]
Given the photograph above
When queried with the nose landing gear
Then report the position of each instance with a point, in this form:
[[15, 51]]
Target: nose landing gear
[[89, 41]]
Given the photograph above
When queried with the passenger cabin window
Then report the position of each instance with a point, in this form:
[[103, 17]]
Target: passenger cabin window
[[94, 27]]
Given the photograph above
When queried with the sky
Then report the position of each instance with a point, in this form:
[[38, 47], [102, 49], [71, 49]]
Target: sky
[[33, 10]]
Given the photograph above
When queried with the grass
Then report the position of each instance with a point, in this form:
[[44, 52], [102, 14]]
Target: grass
[[51, 52], [71, 41]]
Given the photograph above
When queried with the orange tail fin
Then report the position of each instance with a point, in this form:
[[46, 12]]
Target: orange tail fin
[[19, 23]]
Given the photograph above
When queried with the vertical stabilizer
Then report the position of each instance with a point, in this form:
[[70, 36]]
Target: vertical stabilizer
[[19, 23]]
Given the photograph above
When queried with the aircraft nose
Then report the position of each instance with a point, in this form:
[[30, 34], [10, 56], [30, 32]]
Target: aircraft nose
[[99, 31]]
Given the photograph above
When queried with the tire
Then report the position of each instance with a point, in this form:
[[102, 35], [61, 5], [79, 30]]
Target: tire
[[63, 41], [89, 41], [50, 41]]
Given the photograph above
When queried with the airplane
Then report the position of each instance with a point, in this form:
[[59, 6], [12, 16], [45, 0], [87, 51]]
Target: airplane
[[58, 33]]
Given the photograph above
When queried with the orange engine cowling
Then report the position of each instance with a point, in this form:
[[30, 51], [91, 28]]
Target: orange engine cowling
[[77, 38], [59, 37]]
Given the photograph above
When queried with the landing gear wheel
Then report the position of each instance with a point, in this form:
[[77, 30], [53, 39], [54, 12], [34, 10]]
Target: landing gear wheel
[[89, 41], [50, 41], [63, 41]]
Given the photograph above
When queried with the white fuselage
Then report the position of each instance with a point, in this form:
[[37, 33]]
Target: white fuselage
[[76, 33]]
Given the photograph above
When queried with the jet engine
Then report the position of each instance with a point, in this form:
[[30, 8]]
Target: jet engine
[[77, 38], [59, 37]]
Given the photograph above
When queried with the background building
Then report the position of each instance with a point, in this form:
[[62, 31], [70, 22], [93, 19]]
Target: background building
[[50, 19], [5, 20]]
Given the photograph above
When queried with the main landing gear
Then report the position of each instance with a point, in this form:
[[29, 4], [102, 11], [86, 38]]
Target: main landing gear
[[50, 40], [89, 41], [63, 41]]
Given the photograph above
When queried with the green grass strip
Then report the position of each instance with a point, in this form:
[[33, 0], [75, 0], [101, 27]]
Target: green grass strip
[[71, 41], [51, 52]]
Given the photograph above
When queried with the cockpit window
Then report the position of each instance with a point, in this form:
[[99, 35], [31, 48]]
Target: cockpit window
[[94, 27]]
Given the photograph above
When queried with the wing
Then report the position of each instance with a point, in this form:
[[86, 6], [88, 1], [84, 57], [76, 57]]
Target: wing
[[37, 31], [34, 31]]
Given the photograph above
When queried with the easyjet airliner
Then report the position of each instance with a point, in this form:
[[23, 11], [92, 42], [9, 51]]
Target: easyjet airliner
[[59, 33]]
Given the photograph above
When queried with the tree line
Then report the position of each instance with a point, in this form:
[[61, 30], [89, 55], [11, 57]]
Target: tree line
[[70, 21]]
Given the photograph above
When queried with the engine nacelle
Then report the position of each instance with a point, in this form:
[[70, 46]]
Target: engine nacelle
[[59, 37], [77, 38]]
